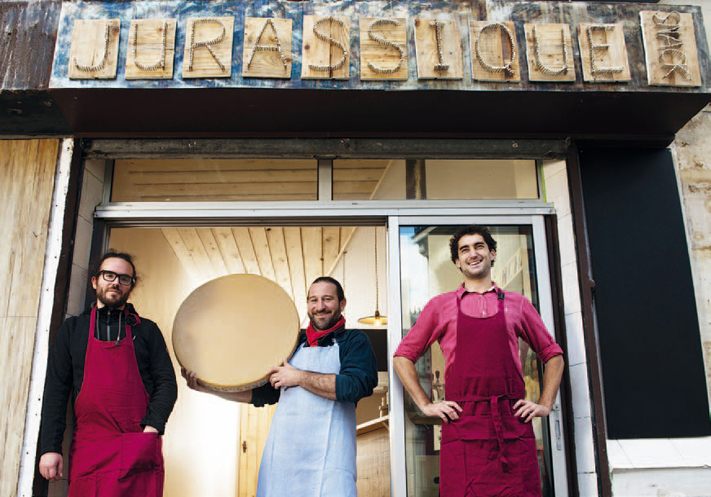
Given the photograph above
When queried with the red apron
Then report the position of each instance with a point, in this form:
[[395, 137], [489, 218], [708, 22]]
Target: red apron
[[110, 455], [488, 451]]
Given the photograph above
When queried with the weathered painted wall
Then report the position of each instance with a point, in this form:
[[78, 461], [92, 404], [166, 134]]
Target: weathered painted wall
[[27, 171], [29, 32]]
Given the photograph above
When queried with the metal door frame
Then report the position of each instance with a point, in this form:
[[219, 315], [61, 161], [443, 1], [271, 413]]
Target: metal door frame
[[398, 473]]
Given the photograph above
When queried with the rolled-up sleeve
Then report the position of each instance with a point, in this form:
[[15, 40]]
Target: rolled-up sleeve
[[426, 331], [358, 375], [535, 333]]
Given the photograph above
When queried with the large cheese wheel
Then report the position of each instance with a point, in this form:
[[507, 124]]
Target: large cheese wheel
[[233, 329]]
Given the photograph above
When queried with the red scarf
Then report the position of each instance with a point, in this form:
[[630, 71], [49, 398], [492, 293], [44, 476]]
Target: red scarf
[[314, 336]]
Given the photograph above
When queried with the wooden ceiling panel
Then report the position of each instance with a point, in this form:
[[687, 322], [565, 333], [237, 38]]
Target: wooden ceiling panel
[[295, 256], [290, 256], [197, 251], [357, 174], [213, 251], [190, 165], [312, 244], [181, 252], [261, 249], [277, 249], [228, 249], [222, 180], [193, 177], [331, 247], [244, 244]]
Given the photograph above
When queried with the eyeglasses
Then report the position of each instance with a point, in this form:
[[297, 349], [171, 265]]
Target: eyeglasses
[[124, 279]]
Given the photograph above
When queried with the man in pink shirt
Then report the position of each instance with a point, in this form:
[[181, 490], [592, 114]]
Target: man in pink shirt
[[488, 445]]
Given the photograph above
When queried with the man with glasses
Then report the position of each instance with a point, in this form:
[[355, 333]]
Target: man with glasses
[[116, 366]]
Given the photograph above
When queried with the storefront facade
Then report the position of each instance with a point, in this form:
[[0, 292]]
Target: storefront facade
[[287, 139]]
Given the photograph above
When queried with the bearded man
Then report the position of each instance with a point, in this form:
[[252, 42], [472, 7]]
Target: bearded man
[[311, 447], [117, 369]]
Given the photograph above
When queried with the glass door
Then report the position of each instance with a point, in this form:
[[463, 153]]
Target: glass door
[[421, 268]]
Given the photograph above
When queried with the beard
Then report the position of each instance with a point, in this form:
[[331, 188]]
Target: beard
[[112, 301], [324, 321]]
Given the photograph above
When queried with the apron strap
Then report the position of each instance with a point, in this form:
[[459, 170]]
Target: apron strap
[[499, 430]]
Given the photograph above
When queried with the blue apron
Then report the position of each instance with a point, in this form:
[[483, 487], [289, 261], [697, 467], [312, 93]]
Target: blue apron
[[311, 447]]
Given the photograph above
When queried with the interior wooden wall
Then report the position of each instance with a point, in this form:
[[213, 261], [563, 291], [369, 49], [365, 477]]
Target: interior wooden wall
[[27, 169]]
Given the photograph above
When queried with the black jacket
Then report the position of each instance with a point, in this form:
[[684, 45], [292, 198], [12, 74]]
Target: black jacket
[[65, 371]]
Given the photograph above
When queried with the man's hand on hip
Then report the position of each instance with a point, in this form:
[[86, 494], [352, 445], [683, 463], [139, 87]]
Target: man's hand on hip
[[51, 466], [447, 410], [527, 410]]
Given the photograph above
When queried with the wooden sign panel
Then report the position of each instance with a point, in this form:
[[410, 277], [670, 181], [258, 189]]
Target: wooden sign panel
[[670, 49], [549, 51], [326, 49], [383, 49], [439, 49], [495, 53], [603, 53], [151, 49], [208, 47], [267, 48], [94, 51]]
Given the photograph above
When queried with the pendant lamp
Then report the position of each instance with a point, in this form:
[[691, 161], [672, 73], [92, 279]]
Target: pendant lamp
[[376, 319]]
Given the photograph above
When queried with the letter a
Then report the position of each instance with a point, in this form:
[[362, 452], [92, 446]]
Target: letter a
[[268, 48]]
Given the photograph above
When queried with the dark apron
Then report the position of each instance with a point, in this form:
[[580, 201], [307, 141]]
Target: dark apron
[[110, 455], [488, 451]]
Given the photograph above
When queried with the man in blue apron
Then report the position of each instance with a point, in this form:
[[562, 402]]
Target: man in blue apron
[[311, 447]]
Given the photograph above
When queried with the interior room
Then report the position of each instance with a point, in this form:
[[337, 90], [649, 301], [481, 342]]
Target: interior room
[[212, 446]]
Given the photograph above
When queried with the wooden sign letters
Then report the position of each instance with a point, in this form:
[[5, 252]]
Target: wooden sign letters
[[494, 51]]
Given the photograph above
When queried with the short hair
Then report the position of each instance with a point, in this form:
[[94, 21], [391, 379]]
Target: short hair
[[474, 229], [327, 279], [113, 254]]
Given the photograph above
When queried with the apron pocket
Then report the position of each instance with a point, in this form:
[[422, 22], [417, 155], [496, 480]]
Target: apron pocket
[[140, 452], [484, 472]]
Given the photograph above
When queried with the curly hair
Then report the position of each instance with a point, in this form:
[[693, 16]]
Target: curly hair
[[470, 230]]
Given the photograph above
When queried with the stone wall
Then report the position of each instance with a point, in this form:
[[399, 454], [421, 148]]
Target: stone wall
[[693, 151]]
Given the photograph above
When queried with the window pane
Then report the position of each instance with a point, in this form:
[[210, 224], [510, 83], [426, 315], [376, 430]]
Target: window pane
[[434, 179], [195, 180], [368, 180], [481, 179]]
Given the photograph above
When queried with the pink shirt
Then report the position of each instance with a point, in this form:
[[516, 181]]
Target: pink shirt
[[438, 322]]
